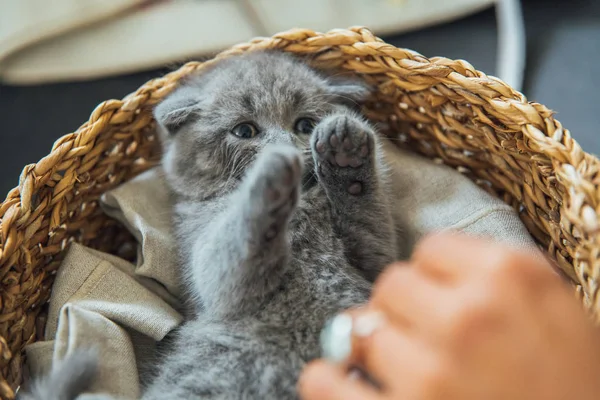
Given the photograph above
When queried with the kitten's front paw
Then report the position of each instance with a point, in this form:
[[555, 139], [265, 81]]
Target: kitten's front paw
[[342, 146], [275, 186]]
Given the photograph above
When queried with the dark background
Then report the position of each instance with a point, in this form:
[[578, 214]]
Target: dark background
[[563, 72]]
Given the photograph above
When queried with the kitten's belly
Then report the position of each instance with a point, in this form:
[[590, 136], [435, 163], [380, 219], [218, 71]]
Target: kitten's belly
[[314, 291], [320, 281], [317, 286]]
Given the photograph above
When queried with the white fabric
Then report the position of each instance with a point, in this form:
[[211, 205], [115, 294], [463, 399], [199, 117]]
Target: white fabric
[[23, 22], [164, 32]]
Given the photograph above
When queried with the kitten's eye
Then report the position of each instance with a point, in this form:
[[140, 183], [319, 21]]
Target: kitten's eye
[[245, 130], [305, 126]]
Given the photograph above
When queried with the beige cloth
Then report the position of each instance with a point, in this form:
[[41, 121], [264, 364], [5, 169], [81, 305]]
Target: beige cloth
[[432, 197], [99, 300], [122, 309], [61, 43]]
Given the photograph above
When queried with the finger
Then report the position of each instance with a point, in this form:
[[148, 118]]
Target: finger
[[450, 256], [392, 358], [408, 298], [324, 381]]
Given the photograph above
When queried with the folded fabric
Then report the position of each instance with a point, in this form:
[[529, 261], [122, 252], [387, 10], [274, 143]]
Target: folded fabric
[[102, 301], [99, 302], [25, 22], [143, 206], [433, 197], [162, 32]]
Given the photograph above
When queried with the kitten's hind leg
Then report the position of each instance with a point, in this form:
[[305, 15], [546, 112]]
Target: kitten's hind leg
[[242, 255], [346, 161]]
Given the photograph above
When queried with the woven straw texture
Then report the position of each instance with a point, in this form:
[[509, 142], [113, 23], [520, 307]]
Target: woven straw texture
[[441, 108]]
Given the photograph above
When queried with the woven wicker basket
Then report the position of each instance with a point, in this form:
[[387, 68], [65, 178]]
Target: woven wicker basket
[[441, 108]]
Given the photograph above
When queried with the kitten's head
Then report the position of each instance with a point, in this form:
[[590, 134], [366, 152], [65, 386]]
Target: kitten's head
[[213, 126]]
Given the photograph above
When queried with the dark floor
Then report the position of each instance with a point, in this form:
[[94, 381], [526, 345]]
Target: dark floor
[[563, 72]]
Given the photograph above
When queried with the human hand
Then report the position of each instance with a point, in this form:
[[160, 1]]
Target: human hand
[[468, 319]]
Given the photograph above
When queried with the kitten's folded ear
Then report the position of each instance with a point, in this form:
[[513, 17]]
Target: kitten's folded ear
[[348, 91], [178, 109]]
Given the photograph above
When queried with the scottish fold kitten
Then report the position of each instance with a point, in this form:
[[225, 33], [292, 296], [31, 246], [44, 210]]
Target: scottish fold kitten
[[282, 215]]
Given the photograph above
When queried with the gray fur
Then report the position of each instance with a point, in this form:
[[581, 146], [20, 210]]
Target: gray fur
[[276, 237], [68, 378]]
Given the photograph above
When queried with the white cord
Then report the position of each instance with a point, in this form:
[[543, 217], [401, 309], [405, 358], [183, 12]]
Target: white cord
[[511, 43]]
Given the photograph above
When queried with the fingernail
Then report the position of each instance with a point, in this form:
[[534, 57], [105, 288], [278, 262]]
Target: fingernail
[[366, 324], [336, 338]]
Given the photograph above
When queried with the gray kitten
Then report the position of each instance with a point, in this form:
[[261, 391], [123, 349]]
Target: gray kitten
[[282, 212]]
